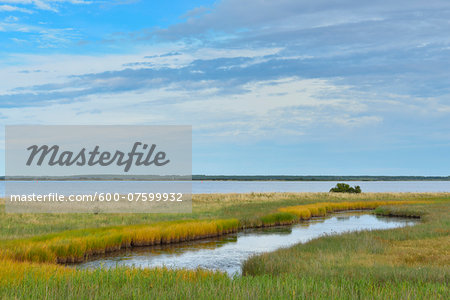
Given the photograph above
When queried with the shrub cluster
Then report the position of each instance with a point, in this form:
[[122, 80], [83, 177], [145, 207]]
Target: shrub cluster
[[345, 188]]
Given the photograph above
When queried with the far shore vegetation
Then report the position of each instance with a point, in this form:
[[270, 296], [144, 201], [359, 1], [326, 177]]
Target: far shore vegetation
[[237, 178]]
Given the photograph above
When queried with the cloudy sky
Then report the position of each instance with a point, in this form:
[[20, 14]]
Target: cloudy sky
[[270, 87]]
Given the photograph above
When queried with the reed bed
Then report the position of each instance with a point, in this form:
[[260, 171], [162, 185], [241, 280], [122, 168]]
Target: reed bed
[[306, 212], [402, 263], [248, 208], [278, 218], [419, 253], [78, 245], [14, 272], [128, 283]]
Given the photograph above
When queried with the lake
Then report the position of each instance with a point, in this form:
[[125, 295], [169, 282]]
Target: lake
[[200, 187], [207, 187]]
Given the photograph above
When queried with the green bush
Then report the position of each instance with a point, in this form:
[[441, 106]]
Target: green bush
[[345, 188]]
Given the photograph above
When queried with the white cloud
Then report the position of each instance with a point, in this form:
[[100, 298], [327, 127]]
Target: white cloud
[[260, 113], [41, 36], [307, 81], [10, 8], [284, 15], [51, 5], [14, 68]]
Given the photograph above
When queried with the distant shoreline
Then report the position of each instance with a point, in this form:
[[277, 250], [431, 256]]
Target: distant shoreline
[[234, 178]]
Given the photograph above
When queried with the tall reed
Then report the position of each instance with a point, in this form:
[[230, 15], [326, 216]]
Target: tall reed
[[78, 245], [305, 212]]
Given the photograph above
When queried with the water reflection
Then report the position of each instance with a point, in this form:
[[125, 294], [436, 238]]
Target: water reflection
[[227, 253]]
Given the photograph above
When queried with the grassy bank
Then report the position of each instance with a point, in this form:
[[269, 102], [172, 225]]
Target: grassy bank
[[247, 208], [399, 263], [78, 245], [126, 283], [418, 257]]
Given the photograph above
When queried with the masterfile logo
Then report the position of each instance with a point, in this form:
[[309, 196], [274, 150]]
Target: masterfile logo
[[148, 156], [52, 151], [113, 169]]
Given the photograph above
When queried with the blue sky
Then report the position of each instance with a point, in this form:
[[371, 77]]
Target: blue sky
[[310, 87]]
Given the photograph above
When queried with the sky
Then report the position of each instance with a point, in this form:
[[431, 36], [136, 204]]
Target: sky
[[287, 87]]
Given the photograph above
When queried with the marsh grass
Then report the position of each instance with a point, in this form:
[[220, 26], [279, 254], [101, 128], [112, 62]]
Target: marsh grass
[[128, 283], [404, 263], [248, 208], [279, 218], [78, 245], [416, 255], [305, 212]]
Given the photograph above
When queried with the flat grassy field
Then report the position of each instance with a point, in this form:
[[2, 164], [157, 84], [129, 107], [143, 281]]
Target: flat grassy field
[[404, 263]]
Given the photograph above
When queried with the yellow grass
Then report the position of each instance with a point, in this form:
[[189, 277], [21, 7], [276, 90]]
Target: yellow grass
[[14, 272], [305, 212], [77, 245], [28, 264], [430, 251]]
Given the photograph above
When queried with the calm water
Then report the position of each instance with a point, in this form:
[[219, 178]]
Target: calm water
[[201, 187], [227, 253]]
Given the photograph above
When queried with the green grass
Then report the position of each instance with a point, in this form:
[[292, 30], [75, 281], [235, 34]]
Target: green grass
[[417, 257], [248, 208], [125, 283], [403, 263], [78, 245], [278, 218]]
